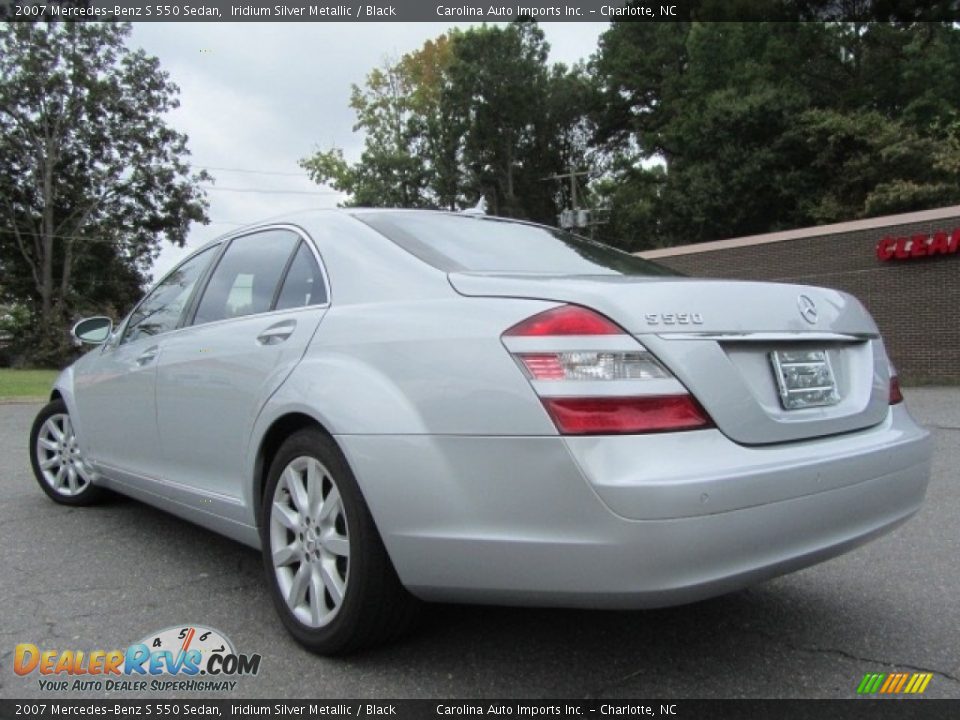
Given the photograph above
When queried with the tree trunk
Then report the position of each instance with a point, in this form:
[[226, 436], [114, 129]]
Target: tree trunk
[[47, 239]]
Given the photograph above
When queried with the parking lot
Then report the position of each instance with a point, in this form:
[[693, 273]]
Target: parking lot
[[105, 577]]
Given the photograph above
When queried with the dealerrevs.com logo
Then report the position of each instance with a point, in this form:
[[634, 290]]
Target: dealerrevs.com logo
[[183, 657]]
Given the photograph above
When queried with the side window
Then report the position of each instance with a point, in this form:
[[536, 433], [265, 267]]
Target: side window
[[160, 311], [246, 278], [304, 284]]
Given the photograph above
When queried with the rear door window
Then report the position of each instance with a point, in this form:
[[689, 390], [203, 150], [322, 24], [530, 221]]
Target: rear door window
[[246, 278], [303, 284]]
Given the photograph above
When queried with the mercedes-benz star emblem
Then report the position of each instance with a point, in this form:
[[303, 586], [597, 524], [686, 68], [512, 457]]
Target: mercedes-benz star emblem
[[808, 309]]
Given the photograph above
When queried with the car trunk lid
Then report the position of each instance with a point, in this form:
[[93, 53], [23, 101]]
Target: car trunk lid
[[725, 339]]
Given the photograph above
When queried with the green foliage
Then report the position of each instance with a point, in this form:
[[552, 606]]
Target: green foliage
[[475, 113], [401, 112], [14, 323], [765, 126], [93, 179], [694, 131], [498, 84]]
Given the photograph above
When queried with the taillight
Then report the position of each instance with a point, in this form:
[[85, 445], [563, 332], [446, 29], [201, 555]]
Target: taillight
[[565, 320], [896, 396], [569, 353], [601, 415]]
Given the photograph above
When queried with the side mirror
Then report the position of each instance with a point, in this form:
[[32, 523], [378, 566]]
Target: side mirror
[[93, 330]]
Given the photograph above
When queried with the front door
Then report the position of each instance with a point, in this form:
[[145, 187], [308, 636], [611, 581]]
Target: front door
[[115, 388]]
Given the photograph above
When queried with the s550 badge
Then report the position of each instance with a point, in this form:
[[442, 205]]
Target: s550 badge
[[674, 318]]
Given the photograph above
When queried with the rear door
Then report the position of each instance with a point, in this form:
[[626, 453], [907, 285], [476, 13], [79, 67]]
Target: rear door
[[250, 327]]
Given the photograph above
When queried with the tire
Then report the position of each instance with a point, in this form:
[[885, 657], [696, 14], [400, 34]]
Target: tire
[[57, 463], [319, 541]]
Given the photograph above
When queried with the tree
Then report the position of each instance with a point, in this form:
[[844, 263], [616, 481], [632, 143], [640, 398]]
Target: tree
[[499, 79], [93, 177], [765, 126], [407, 155], [474, 113]]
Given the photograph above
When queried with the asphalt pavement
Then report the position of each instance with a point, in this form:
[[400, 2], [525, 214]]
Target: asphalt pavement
[[106, 576]]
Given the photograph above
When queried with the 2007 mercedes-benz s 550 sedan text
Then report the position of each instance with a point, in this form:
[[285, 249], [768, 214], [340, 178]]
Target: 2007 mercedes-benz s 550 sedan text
[[403, 406]]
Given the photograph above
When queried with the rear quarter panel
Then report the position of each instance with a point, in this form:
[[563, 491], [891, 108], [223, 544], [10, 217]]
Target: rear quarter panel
[[400, 352]]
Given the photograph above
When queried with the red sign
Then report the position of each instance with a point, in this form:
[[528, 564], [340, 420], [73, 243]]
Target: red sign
[[907, 248]]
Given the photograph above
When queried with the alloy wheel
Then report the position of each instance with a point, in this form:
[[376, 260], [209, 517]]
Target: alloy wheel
[[59, 458], [310, 541]]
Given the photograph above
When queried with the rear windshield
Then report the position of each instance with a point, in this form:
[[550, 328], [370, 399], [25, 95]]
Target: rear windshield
[[464, 243]]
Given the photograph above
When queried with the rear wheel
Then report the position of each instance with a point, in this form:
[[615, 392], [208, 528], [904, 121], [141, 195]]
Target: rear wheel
[[58, 464], [329, 574]]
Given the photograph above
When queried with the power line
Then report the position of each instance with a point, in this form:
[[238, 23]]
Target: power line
[[87, 238], [248, 171], [271, 192]]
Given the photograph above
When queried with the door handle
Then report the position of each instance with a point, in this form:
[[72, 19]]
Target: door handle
[[276, 334], [147, 355]]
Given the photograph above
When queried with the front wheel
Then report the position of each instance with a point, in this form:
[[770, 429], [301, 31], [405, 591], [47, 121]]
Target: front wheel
[[328, 571], [58, 464]]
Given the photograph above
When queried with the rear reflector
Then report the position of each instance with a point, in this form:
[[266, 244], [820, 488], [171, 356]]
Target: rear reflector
[[896, 396], [607, 415], [565, 320]]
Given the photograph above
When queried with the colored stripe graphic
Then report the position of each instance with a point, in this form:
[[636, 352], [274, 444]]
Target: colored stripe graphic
[[890, 682], [875, 685], [901, 682], [894, 683], [919, 682]]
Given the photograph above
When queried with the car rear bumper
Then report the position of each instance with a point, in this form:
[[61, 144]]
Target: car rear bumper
[[634, 521]]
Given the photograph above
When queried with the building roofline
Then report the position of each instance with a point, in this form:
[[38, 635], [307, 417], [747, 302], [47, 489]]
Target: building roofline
[[807, 232]]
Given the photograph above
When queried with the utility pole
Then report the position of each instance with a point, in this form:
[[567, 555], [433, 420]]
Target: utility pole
[[575, 216], [573, 188]]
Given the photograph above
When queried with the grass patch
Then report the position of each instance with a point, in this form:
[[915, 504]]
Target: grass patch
[[26, 383]]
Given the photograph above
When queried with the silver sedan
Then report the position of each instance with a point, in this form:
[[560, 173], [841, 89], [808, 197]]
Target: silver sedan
[[406, 406]]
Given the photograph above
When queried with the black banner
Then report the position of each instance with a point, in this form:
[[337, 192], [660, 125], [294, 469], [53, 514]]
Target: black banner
[[416, 709], [474, 10]]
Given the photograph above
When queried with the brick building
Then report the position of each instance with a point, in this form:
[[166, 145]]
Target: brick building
[[904, 268]]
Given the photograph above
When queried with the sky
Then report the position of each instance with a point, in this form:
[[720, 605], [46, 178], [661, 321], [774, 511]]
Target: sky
[[260, 96]]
